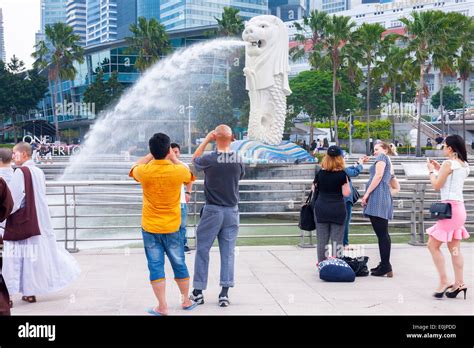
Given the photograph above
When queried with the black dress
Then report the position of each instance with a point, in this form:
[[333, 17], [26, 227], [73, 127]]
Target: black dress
[[329, 207]]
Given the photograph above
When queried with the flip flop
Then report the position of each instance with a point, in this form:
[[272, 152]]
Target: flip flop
[[155, 313], [190, 308]]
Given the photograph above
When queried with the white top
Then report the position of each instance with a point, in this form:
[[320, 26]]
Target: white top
[[454, 185]]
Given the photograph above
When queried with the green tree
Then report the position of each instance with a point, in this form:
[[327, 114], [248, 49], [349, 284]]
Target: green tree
[[230, 23], [20, 91], [103, 93], [214, 108], [452, 98], [445, 53], [331, 41], [57, 55], [423, 30], [372, 49], [312, 95], [150, 40]]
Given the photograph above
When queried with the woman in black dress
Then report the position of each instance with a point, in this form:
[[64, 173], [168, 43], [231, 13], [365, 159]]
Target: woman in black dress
[[332, 184]]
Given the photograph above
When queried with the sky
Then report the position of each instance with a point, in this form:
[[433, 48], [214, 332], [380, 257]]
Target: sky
[[21, 20]]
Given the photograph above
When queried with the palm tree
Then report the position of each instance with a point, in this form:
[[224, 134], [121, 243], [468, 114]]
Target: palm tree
[[230, 23], [423, 31], [393, 71], [372, 48], [463, 62], [150, 40], [445, 52], [316, 24], [57, 54]]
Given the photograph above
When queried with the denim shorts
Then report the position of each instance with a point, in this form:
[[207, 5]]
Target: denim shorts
[[156, 245]]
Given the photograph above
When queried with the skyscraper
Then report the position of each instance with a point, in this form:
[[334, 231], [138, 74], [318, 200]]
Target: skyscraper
[[101, 21], [3, 54], [76, 18], [53, 11], [180, 14], [126, 15], [148, 8], [287, 10]]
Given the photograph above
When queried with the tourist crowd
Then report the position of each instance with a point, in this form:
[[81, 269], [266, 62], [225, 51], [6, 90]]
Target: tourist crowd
[[34, 264]]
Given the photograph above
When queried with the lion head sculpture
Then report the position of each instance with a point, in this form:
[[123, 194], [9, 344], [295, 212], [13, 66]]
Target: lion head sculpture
[[266, 53]]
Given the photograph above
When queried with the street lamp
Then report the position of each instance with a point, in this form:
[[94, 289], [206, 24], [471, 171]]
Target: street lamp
[[350, 130], [189, 107], [401, 105]]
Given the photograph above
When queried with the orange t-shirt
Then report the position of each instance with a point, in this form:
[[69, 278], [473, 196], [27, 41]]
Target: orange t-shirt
[[161, 182]]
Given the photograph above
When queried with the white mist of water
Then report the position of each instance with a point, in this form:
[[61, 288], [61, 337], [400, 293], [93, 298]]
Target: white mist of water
[[156, 103]]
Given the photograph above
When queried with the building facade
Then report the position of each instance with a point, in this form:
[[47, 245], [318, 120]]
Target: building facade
[[126, 15], [53, 11], [288, 10], [101, 21], [148, 8], [182, 14], [77, 18], [3, 53]]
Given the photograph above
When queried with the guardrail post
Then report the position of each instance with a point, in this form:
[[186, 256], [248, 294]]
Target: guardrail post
[[421, 229], [413, 225], [74, 208], [65, 218]]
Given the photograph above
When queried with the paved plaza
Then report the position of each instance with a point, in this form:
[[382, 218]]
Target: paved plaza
[[270, 280]]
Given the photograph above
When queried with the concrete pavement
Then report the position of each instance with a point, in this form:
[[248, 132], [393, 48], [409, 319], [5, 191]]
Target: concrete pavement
[[270, 280]]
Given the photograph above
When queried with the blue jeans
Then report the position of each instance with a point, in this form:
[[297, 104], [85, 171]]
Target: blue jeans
[[221, 223], [345, 241], [156, 245], [182, 228]]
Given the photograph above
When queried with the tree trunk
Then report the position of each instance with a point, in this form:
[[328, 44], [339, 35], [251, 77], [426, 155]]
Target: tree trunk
[[394, 101], [419, 102], [463, 109], [55, 115], [334, 114], [441, 108], [311, 131], [368, 109], [61, 93]]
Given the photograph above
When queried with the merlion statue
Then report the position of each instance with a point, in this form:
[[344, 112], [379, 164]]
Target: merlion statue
[[266, 71]]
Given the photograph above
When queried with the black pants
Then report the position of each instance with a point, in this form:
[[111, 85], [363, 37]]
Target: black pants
[[380, 227]]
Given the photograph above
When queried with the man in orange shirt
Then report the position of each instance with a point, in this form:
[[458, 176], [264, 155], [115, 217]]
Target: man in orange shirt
[[161, 176]]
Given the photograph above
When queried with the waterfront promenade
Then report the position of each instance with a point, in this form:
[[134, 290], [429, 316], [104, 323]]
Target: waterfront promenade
[[270, 280]]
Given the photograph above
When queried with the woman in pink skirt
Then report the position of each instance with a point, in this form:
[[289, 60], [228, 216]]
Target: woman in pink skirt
[[449, 179]]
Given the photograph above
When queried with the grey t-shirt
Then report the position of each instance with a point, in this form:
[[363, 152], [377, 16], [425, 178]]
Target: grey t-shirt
[[222, 172]]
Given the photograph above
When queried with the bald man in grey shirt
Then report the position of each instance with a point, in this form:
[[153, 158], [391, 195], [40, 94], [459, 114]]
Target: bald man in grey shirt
[[220, 216]]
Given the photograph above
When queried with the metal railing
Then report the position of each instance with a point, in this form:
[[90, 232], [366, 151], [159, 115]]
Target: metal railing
[[75, 204]]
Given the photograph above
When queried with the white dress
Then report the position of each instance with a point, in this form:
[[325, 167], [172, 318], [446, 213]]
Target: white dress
[[37, 265]]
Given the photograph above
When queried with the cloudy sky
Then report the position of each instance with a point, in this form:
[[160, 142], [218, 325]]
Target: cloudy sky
[[21, 20]]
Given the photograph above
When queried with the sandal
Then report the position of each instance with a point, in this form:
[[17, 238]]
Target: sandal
[[29, 299]]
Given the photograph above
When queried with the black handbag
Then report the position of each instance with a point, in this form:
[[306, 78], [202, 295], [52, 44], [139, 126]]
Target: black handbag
[[355, 195], [306, 222], [358, 265], [440, 211]]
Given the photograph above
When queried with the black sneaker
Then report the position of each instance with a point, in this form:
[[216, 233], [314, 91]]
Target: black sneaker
[[199, 299], [187, 250], [224, 301]]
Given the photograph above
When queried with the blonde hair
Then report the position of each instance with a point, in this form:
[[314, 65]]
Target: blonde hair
[[391, 150], [333, 163]]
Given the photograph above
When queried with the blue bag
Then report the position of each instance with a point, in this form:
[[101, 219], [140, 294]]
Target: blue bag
[[336, 270]]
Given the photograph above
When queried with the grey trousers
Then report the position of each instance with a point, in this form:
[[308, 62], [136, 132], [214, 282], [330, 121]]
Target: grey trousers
[[221, 223], [326, 231]]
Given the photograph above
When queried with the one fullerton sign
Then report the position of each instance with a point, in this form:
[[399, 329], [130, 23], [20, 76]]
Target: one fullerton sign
[[402, 4]]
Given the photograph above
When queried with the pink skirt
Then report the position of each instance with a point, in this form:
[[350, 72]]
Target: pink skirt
[[448, 229]]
